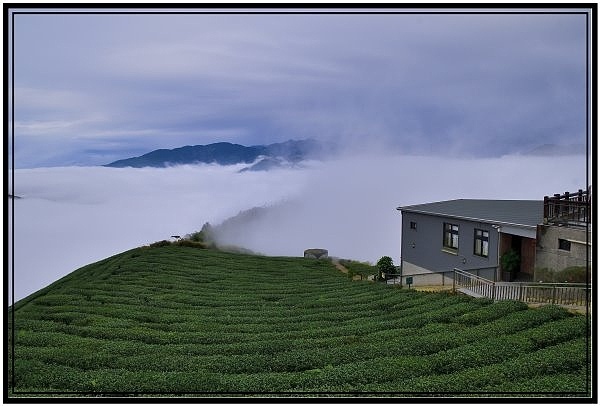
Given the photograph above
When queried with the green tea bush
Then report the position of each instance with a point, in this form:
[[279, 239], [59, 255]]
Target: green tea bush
[[175, 319], [491, 312], [562, 383]]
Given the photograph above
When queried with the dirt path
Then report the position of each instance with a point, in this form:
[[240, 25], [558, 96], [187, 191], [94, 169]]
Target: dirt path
[[339, 266]]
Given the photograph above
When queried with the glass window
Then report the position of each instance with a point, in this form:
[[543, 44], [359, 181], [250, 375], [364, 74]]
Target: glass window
[[564, 244], [451, 236], [482, 240], [413, 225]]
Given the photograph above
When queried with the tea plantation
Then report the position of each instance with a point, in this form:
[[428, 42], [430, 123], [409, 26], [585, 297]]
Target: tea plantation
[[185, 321]]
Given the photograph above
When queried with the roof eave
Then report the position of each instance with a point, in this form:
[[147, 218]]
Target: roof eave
[[474, 219]]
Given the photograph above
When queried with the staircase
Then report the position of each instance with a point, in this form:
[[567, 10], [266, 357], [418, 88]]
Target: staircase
[[563, 294]]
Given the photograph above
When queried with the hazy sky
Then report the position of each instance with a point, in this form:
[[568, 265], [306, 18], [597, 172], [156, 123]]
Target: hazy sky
[[90, 89]]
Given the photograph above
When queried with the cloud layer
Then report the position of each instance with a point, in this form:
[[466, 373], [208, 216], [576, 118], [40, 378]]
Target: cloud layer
[[96, 88], [69, 217]]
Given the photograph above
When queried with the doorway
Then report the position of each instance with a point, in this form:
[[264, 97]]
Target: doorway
[[525, 248]]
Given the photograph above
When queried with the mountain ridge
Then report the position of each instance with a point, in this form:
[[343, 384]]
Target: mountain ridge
[[226, 153]]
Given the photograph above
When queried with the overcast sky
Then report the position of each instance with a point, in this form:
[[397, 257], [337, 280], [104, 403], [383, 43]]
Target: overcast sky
[[90, 89]]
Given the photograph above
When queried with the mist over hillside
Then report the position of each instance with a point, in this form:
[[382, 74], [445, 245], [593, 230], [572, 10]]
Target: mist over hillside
[[76, 215]]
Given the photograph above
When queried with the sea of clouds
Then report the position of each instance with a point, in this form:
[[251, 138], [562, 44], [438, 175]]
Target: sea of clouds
[[72, 216]]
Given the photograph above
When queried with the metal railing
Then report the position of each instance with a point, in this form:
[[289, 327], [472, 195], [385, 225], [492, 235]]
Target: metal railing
[[565, 294], [475, 284]]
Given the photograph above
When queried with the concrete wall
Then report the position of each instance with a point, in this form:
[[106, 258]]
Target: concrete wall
[[548, 255], [424, 277], [316, 253]]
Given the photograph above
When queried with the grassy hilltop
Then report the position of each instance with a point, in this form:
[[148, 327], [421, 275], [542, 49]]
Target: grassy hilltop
[[183, 320]]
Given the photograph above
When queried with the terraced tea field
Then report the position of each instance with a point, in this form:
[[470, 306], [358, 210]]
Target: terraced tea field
[[178, 320]]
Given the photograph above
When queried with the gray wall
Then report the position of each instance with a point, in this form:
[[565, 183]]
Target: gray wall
[[427, 238], [549, 256]]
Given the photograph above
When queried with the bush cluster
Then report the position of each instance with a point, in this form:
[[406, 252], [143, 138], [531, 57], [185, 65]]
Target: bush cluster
[[572, 274]]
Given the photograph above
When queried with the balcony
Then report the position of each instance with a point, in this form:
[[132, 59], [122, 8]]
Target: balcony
[[569, 209]]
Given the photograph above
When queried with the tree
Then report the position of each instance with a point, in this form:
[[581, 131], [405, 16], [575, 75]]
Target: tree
[[385, 266]]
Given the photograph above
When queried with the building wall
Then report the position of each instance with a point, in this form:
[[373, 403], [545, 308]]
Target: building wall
[[423, 247], [548, 254], [424, 277]]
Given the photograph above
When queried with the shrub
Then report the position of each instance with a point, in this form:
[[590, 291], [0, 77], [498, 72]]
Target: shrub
[[491, 312], [359, 268], [190, 243], [572, 274], [163, 243]]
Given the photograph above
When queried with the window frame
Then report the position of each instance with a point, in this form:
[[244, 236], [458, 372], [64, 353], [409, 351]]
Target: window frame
[[452, 231], [413, 225], [479, 241]]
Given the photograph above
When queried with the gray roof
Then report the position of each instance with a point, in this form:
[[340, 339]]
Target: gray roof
[[527, 213]]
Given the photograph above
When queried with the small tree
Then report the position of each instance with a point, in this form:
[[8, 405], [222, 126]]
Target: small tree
[[510, 261], [385, 266]]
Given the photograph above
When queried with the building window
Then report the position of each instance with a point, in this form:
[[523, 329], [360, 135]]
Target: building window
[[482, 241], [564, 244], [413, 225], [451, 236]]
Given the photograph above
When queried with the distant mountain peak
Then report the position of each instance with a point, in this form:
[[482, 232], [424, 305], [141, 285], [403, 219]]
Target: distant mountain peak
[[226, 153]]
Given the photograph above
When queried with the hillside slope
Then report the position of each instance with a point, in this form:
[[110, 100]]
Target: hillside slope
[[179, 320]]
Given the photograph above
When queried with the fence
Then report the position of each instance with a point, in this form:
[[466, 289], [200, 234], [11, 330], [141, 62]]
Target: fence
[[573, 294], [569, 208]]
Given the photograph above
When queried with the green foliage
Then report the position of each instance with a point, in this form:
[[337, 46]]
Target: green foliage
[[172, 319], [205, 235], [510, 261], [385, 266], [190, 243], [359, 268], [158, 244], [572, 274]]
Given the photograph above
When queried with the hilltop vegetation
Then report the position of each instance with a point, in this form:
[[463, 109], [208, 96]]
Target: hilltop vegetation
[[180, 320]]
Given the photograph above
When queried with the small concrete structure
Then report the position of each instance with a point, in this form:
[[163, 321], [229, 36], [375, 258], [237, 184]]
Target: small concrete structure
[[316, 253], [559, 247]]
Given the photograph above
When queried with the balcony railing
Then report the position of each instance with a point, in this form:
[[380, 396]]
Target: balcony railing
[[572, 209]]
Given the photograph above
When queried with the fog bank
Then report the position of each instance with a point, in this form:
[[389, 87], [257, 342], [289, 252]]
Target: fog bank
[[69, 217], [349, 206]]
